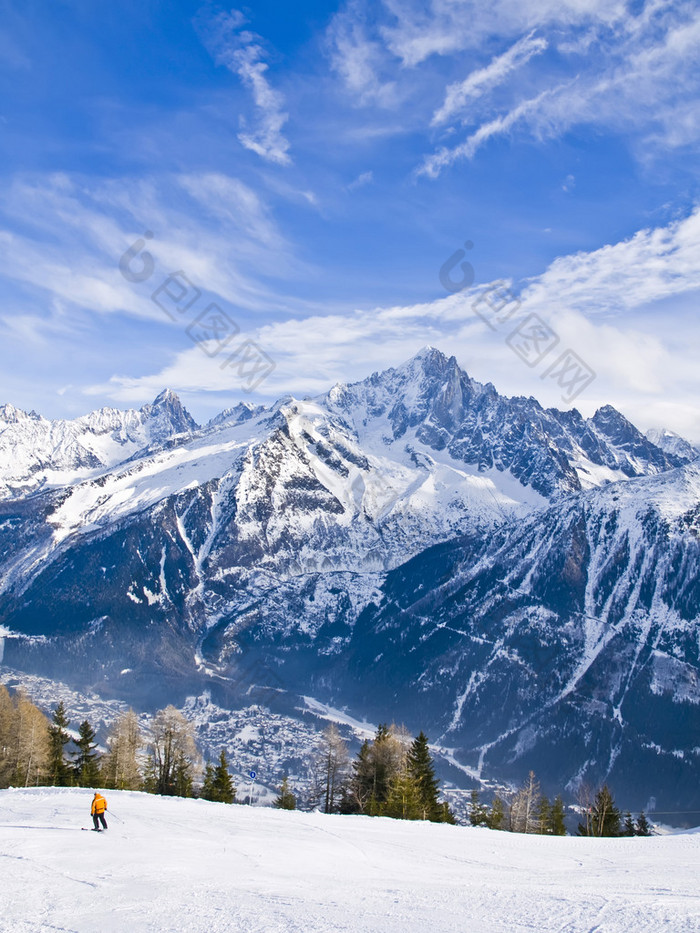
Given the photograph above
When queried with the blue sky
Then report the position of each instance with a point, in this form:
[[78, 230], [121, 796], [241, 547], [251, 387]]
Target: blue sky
[[310, 168]]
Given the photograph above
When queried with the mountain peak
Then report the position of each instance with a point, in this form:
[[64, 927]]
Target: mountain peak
[[168, 407]]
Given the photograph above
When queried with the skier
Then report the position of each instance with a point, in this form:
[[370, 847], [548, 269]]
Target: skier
[[99, 805]]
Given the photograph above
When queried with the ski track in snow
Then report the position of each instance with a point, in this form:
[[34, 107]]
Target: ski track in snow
[[168, 865]]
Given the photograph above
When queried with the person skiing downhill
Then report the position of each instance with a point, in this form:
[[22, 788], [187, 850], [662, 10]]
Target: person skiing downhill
[[99, 805]]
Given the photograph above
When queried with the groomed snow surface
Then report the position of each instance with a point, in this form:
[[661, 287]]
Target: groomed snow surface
[[168, 864]]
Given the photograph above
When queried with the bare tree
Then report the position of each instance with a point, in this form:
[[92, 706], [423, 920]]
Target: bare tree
[[331, 767], [525, 807], [174, 754], [32, 745], [8, 737], [120, 767]]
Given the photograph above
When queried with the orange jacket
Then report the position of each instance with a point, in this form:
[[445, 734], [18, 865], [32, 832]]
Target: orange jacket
[[99, 804]]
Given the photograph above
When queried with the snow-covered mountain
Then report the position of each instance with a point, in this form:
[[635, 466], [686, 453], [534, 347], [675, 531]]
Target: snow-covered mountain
[[672, 443], [36, 452], [315, 548]]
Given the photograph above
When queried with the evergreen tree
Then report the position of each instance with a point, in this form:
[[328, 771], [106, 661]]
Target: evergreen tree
[[286, 799], [478, 813], [603, 818], [543, 819], [207, 792], [404, 800], [628, 827], [59, 769], [356, 792], [642, 828], [223, 785], [383, 766], [182, 775], [495, 818], [446, 815], [556, 817], [85, 763], [420, 767], [377, 766]]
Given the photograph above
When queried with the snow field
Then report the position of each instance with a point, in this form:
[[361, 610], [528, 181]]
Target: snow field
[[184, 866]]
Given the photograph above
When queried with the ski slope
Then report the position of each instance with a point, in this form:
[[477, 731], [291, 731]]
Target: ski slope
[[189, 866]]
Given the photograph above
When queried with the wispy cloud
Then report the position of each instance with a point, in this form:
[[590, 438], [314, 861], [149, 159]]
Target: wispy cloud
[[74, 230], [433, 165], [242, 53], [479, 82], [358, 59], [365, 178], [648, 58], [592, 300]]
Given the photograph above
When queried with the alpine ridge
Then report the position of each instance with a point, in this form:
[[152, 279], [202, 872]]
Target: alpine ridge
[[520, 582]]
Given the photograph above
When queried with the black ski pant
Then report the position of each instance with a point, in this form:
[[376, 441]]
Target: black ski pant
[[99, 817]]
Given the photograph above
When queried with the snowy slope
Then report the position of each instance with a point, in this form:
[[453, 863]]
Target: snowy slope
[[185, 866], [672, 443], [566, 642], [37, 453]]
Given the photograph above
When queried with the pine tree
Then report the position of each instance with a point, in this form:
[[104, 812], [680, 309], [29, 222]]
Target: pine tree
[[628, 827], [603, 818], [59, 769], [420, 767], [495, 817], [543, 818], [357, 791], [478, 813], [182, 775], [446, 815], [207, 791], [286, 799], [387, 756], [404, 800], [556, 817], [223, 785], [376, 766], [86, 760], [642, 828]]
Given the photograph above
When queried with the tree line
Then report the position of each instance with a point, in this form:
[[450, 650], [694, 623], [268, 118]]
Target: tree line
[[392, 775], [37, 751], [527, 810]]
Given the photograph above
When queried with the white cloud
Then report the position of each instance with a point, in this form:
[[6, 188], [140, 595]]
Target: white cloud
[[479, 82], [365, 178], [74, 232], [433, 165], [241, 52], [652, 265], [632, 83], [442, 27], [602, 305], [357, 59]]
